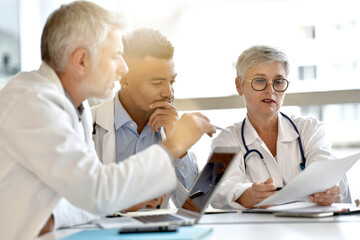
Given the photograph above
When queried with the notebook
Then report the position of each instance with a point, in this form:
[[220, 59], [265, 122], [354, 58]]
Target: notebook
[[197, 200]]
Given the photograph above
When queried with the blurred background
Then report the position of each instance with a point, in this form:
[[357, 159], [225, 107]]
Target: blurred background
[[320, 37]]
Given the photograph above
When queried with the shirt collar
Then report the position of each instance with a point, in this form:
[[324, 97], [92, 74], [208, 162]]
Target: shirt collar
[[121, 116], [79, 110], [250, 133], [286, 131]]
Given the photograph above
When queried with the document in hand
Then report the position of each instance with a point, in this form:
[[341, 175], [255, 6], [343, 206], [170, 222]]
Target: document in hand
[[317, 177]]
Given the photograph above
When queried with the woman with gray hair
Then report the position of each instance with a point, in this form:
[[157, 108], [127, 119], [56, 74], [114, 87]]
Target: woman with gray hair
[[275, 147]]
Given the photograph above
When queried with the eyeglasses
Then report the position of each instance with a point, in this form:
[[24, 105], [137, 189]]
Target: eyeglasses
[[259, 84]]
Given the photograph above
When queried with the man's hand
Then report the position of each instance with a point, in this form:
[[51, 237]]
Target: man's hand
[[156, 202], [164, 115], [326, 198], [257, 193], [187, 131], [149, 204]]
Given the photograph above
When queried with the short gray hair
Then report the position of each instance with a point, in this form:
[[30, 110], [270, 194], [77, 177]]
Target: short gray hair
[[80, 24], [258, 55]]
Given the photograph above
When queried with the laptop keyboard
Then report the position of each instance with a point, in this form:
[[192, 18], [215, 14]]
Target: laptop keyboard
[[157, 218]]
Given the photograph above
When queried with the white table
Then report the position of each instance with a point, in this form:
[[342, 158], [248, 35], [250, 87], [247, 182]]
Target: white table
[[268, 227]]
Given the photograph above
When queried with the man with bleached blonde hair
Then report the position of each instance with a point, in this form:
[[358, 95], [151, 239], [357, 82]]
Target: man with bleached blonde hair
[[46, 148]]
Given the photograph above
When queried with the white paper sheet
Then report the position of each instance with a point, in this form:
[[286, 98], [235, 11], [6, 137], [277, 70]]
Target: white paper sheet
[[317, 177]]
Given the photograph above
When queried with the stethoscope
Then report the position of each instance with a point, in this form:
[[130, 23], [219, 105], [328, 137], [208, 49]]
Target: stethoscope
[[302, 164]]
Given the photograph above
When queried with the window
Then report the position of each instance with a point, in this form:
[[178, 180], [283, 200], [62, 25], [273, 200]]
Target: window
[[307, 32], [9, 40], [307, 72]]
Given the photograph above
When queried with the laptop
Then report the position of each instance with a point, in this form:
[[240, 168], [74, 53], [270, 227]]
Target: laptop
[[196, 202]]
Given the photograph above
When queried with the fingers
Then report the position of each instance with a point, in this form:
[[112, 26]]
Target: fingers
[[266, 186], [261, 190], [206, 126], [201, 116], [326, 198], [136, 207], [163, 118], [269, 181], [165, 115], [188, 130], [257, 193], [156, 202], [166, 104], [153, 203], [162, 198]]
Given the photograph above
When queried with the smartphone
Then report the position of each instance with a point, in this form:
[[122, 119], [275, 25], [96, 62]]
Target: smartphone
[[149, 229]]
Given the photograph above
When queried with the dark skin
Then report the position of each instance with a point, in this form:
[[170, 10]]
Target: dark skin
[[49, 226], [147, 94]]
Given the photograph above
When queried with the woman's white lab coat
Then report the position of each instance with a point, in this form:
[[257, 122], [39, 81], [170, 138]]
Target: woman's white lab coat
[[286, 165], [46, 153]]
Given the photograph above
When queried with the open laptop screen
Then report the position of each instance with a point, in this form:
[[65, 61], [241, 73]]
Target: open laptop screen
[[209, 178]]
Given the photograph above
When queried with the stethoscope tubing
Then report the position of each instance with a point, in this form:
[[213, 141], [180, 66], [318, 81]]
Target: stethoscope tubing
[[302, 164]]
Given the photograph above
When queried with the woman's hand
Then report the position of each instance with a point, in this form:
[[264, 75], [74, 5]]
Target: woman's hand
[[257, 193], [326, 198]]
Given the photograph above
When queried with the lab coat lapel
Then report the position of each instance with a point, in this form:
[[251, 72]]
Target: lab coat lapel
[[286, 135], [260, 173], [105, 119]]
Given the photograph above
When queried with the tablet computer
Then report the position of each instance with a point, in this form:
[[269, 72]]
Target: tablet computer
[[304, 214]]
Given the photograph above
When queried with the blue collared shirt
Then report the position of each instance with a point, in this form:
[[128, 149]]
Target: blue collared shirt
[[79, 110], [129, 142]]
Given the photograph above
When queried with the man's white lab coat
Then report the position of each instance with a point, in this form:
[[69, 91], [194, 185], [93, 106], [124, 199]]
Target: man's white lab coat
[[46, 153]]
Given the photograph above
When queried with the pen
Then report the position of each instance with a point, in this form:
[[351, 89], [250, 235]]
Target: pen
[[222, 129]]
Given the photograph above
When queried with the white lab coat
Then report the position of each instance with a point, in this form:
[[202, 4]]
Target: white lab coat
[[103, 115], [46, 153], [286, 165]]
